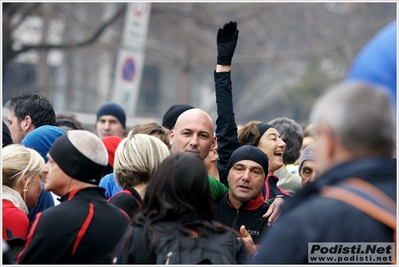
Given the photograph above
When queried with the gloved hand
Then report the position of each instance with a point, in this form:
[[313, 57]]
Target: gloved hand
[[226, 42]]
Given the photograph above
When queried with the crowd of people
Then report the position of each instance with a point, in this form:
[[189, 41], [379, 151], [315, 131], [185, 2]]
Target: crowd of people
[[191, 190]]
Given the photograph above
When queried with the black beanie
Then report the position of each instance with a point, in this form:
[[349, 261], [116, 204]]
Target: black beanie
[[112, 109], [7, 140], [262, 127], [171, 115], [249, 152]]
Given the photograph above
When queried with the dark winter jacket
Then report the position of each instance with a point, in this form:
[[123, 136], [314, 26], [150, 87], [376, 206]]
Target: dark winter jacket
[[308, 217], [127, 200], [83, 229], [249, 214], [138, 250]]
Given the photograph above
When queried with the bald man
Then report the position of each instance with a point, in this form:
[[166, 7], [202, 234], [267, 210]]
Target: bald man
[[194, 133]]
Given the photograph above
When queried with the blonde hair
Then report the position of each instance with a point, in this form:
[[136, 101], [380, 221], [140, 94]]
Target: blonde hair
[[18, 162], [152, 128], [136, 159]]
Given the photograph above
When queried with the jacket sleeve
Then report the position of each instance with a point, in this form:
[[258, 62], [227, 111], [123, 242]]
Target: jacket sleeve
[[226, 127]]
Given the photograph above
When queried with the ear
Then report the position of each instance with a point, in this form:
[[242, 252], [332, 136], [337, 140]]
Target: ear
[[171, 136], [26, 124], [213, 145], [215, 154]]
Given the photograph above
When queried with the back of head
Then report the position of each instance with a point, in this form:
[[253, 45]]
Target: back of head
[[81, 155], [41, 139], [112, 109], [111, 143], [171, 115], [179, 190], [7, 139], [68, 122], [359, 116], [292, 134], [154, 129], [137, 158], [35, 105], [20, 162]]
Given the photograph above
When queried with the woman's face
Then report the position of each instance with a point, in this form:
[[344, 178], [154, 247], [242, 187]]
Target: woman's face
[[273, 146], [34, 188]]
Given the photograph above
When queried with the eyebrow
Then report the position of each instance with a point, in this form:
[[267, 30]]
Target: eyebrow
[[272, 134], [246, 166], [305, 168]]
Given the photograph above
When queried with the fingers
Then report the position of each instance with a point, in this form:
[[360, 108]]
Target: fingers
[[269, 211], [243, 231]]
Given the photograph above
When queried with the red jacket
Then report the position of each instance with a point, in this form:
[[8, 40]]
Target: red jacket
[[14, 219]]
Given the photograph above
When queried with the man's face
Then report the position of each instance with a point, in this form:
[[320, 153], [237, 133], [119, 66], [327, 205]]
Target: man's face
[[56, 179], [245, 179], [273, 146], [193, 133], [108, 125], [16, 129], [308, 172]]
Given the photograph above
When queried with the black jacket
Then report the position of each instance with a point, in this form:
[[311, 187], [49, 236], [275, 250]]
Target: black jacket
[[308, 217], [137, 250], [249, 214], [83, 229], [127, 200]]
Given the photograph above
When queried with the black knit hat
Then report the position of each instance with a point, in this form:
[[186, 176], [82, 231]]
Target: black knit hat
[[112, 109], [171, 115], [249, 152]]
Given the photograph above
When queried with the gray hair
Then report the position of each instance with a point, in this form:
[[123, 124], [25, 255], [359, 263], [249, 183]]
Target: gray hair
[[360, 116], [137, 158], [89, 145]]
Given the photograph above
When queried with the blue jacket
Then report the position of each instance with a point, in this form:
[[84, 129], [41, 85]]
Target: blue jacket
[[308, 217]]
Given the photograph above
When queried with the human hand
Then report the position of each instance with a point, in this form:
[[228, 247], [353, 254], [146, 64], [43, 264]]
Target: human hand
[[226, 43], [250, 247], [274, 211]]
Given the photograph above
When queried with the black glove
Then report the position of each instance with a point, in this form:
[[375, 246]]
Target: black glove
[[226, 42]]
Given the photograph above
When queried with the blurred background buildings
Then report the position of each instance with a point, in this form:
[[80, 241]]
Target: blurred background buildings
[[287, 54]]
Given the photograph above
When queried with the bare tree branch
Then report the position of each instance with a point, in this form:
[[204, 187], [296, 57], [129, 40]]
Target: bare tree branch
[[86, 42]]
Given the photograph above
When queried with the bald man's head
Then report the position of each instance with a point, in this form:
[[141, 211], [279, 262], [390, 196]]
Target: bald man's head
[[193, 133]]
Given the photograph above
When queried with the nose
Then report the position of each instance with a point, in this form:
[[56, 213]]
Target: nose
[[106, 125], [194, 140], [245, 175], [281, 143]]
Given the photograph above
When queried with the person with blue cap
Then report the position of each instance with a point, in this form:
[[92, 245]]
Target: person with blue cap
[[111, 120]]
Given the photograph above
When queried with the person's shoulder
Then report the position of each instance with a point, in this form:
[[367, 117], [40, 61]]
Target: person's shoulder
[[109, 178]]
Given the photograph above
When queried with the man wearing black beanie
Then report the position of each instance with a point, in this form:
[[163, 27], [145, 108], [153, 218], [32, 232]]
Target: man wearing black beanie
[[111, 120], [84, 228], [243, 207]]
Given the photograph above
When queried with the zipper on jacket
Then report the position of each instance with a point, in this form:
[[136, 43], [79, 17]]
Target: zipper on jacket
[[235, 219]]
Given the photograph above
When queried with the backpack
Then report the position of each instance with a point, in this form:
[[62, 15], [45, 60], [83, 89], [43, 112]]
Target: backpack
[[178, 248], [367, 198]]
